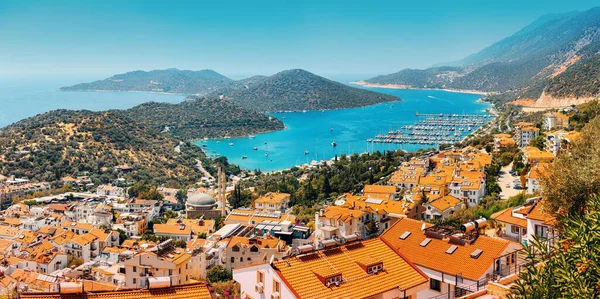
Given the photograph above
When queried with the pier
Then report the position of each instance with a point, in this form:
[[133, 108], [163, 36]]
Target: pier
[[436, 129]]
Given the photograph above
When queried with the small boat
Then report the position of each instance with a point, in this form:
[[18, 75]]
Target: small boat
[[255, 148], [251, 136], [330, 129], [333, 144], [265, 142], [244, 157], [306, 152], [218, 141], [231, 144], [266, 153], [204, 145]]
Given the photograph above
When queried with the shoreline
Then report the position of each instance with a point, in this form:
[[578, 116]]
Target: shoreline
[[402, 86]]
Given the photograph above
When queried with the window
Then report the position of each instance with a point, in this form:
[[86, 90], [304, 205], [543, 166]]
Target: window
[[375, 268], [179, 270], [170, 272], [134, 269], [332, 280], [276, 286], [514, 229], [254, 248], [134, 281], [541, 231], [235, 248], [260, 277], [435, 285], [232, 260], [241, 259]]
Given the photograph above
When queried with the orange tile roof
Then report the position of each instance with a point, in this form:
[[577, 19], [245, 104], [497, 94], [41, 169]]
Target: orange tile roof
[[506, 216], [84, 239], [434, 256], [261, 243], [172, 229], [386, 206], [538, 170], [300, 273], [273, 197], [342, 213], [197, 291], [194, 224], [245, 216], [445, 202]]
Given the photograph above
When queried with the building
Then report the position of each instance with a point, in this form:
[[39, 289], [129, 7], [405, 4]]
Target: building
[[201, 205], [558, 141], [525, 132], [555, 120], [243, 251], [167, 262], [85, 246], [532, 155], [456, 263], [533, 178], [176, 231], [109, 190], [441, 207], [522, 223], [272, 202], [503, 142], [360, 269], [380, 192], [252, 218]]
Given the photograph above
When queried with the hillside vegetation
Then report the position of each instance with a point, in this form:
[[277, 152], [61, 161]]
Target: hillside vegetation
[[169, 80], [62, 143], [297, 90], [196, 118]]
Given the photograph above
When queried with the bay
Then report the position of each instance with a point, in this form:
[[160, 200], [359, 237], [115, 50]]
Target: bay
[[312, 131]]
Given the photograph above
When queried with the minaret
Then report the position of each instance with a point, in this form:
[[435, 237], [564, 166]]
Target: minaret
[[222, 183]]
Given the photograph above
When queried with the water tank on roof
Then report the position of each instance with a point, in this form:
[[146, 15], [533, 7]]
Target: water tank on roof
[[71, 288], [159, 282]]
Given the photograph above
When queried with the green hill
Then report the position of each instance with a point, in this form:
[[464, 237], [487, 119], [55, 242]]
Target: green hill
[[297, 90], [149, 137], [169, 80], [196, 118]]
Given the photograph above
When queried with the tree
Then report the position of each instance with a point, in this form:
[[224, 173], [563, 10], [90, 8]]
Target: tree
[[539, 142], [573, 179], [218, 274], [122, 236], [569, 268], [181, 197], [169, 214], [219, 222]]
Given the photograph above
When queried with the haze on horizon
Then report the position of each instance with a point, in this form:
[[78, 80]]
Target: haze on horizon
[[243, 38]]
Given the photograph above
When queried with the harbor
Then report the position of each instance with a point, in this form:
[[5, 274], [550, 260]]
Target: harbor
[[435, 129]]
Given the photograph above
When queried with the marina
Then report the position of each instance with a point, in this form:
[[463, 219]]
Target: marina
[[435, 129]]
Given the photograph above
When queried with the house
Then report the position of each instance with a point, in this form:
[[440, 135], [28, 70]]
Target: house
[[522, 223], [177, 231], [198, 226], [555, 120], [441, 207], [244, 251], [533, 155], [453, 260], [272, 202], [407, 176], [380, 192], [109, 190], [525, 132], [559, 140], [335, 222], [252, 217], [533, 177], [360, 269], [165, 262], [503, 142], [85, 246]]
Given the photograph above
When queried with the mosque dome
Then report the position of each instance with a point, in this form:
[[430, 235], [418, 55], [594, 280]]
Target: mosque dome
[[200, 200]]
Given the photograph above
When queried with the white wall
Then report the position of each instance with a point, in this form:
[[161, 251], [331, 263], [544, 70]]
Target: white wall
[[246, 277]]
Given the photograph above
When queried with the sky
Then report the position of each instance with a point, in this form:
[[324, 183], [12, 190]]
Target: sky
[[353, 39]]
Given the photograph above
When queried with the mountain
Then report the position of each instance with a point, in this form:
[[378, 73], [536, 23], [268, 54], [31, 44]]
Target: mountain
[[297, 90], [522, 64], [169, 80], [196, 118], [150, 137]]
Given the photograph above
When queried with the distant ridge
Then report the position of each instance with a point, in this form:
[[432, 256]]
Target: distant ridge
[[523, 65], [170, 80], [298, 90]]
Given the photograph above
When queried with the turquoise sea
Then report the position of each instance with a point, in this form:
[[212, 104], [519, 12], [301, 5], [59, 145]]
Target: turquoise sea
[[24, 98], [312, 131]]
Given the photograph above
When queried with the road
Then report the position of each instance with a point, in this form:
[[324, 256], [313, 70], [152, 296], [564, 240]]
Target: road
[[504, 179]]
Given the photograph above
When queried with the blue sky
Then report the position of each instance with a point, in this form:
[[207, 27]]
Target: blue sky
[[242, 38]]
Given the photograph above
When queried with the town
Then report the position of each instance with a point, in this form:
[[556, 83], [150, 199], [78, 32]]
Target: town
[[398, 238]]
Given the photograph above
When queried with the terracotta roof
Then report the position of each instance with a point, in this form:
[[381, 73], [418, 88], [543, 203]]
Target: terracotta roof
[[245, 216], [195, 225], [8, 231], [384, 205], [273, 197], [506, 216], [172, 229], [434, 256], [84, 239], [78, 225], [301, 273], [261, 242], [342, 213], [445, 202], [197, 290], [379, 191], [57, 207], [12, 221]]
